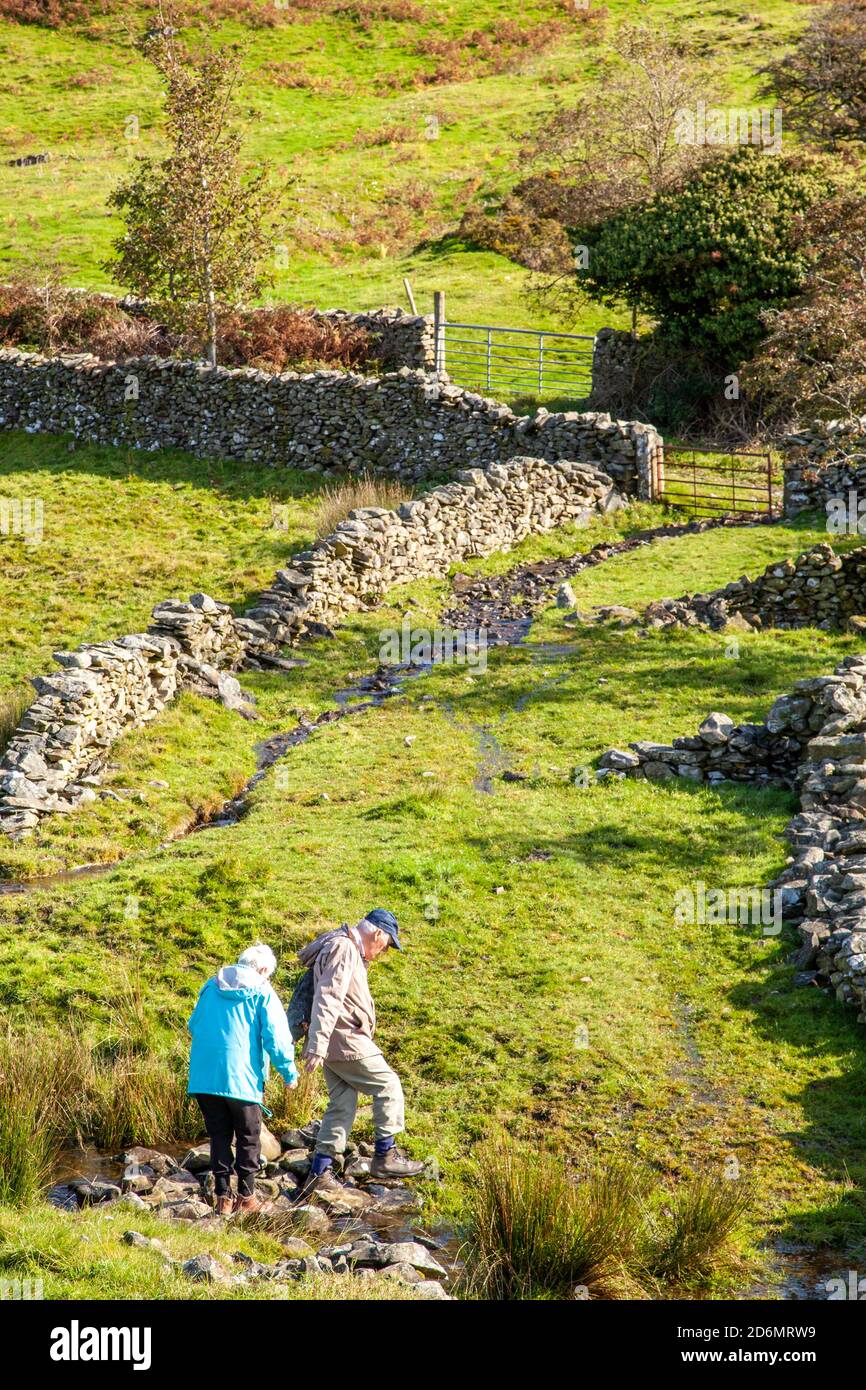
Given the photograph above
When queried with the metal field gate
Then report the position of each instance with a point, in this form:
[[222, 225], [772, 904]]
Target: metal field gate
[[501, 362], [716, 482]]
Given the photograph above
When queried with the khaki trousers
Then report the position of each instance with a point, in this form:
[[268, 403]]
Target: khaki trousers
[[367, 1076]]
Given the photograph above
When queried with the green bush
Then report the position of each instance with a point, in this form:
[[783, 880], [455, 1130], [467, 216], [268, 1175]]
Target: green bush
[[707, 258]]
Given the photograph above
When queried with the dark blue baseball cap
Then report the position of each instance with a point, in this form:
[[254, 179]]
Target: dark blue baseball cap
[[386, 921]]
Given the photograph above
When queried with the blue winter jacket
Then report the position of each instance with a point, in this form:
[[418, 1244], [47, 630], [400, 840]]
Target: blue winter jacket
[[237, 1023]]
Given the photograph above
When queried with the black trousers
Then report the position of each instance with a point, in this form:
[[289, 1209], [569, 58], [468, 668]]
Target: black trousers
[[233, 1121]]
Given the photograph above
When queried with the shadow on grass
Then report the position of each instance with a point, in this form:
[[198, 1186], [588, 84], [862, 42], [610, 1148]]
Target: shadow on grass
[[833, 1140]]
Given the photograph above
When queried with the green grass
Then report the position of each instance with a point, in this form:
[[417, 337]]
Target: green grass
[[698, 1047], [124, 530], [546, 986], [83, 1256], [347, 240]]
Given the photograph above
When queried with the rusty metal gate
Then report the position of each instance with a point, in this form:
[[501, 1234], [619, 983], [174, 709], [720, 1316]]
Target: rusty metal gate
[[716, 482]]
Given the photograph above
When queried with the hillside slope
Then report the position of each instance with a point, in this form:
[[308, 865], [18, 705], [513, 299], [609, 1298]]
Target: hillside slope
[[388, 118]]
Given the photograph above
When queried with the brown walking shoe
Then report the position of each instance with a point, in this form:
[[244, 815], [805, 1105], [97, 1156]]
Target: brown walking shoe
[[247, 1205], [317, 1182], [394, 1164], [224, 1206]]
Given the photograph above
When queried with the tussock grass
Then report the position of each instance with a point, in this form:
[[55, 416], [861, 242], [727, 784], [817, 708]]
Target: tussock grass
[[32, 1092], [535, 1232], [131, 1098], [689, 1242], [12, 705], [54, 1087], [293, 1109], [340, 500]]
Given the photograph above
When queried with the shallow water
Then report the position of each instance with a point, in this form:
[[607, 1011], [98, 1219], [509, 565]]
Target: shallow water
[[89, 1162]]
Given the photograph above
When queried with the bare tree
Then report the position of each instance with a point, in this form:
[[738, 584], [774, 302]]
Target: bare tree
[[587, 162], [822, 80], [620, 144]]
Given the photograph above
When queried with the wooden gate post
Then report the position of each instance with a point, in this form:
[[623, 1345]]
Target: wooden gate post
[[657, 472], [439, 330]]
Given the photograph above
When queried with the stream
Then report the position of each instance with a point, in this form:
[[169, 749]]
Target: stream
[[502, 605], [89, 1162]]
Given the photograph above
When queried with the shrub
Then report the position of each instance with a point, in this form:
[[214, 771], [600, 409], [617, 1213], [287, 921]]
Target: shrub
[[51, 14], [50, 318], [707, 259], [340, 499], [813, 360], [822, 80], [281, 337]]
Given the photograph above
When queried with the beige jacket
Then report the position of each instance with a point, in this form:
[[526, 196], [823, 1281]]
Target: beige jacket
[[344, 1016]]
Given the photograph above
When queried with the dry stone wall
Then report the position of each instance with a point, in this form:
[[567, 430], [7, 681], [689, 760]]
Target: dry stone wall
[[824, 463], [818, 589], [103, 689], [401, 340], [408, 423], [814, 740]]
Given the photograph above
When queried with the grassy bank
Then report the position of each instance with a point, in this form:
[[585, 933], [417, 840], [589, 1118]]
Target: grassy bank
[[122, 530], [83, 1256]]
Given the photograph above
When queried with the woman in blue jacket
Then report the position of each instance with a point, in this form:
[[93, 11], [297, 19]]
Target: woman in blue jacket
[[237, 1024]]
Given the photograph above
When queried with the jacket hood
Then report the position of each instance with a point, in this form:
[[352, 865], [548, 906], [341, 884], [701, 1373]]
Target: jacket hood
[[236, 981], [308, 954]]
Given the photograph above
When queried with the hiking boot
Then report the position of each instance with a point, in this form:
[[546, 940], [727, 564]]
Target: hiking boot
[[224, 1206], [394, 1164], [247, 1205], [318, 1182]]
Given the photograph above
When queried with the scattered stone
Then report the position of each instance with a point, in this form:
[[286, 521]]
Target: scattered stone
[[403, 1273], [93, 1191], [296, 1248], [431, 1289], [204, 1269], [311, 1219], [412, 1253]]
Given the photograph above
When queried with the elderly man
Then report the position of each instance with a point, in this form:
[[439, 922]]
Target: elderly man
[[237, 1024], [340, 1039]]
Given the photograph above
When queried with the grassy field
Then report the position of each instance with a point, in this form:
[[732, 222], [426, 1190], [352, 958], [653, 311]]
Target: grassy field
[[547, 985], [386, 145], [124, 530]]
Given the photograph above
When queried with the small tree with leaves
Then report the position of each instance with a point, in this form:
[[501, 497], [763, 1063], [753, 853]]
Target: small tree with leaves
[[197, 225]]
